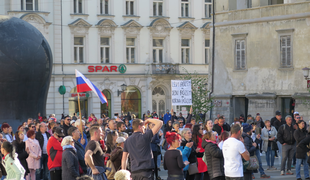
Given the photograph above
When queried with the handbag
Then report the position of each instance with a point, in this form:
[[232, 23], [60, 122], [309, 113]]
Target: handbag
[[110, 172], [253, 163], [193, 168], [274, 146]]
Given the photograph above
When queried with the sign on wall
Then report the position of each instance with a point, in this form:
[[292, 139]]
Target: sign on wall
[[181, 92], [121, 68]]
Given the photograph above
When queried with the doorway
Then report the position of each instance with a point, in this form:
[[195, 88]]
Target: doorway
[[158, 101], [287, 106], [240, 106]]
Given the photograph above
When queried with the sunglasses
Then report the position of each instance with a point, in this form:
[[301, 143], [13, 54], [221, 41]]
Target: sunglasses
[[32, 126], [68, 119]]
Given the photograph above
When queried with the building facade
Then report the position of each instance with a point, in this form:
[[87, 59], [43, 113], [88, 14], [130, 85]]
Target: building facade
[[260, 50], [142, 44]]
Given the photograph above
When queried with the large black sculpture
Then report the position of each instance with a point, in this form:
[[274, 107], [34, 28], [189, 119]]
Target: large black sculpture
[[25, 70]]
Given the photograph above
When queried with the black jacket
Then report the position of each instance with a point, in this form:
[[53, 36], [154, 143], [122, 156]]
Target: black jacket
[[299, 135], [215, 159], [20, 149], [70, 164], [80, 152], [302, 148], [40, 138], [278, 123], [286, 134], [65, 128], [192, 157], [248, 143], [218, 128]]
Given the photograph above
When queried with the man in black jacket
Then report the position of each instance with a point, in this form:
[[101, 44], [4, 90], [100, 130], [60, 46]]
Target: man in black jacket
[[286, 138], [277, 120], [221, 126], [66, 125], [42, 136]]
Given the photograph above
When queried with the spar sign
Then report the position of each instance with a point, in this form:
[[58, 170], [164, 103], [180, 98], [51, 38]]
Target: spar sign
[[181, 92]]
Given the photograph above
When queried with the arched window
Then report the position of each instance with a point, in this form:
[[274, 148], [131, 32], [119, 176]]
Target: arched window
[[73, 103], [104, 108], [131, 101], [159, 100]]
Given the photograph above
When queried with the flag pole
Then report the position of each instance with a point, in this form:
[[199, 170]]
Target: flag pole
[[81, 123]]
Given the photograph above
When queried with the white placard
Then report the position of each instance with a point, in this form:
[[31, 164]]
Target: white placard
[[181, 92]]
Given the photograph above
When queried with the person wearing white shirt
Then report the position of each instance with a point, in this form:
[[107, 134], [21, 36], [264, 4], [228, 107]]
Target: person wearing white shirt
[[233, 152]]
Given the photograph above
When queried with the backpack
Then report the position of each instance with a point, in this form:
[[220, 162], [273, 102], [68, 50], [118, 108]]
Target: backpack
[[110, 172]]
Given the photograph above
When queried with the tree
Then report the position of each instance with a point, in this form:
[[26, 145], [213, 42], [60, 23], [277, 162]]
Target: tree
[[200, 99]]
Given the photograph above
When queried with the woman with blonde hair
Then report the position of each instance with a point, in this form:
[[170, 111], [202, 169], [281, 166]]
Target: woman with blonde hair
[[122, 175]]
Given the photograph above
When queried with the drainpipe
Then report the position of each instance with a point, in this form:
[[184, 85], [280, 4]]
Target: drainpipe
[[213, 52], [62, 57]]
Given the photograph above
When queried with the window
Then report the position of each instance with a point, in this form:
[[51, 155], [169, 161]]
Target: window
[[30, 5], [249, 3], [272, 2], [104, 6], [240, 54], [286, 48], [104, 108], [158, 8], [158, 48], [185, 50], [130, 9], [105, 50], [208, 8], [78, 50], [207, 50], [131, 101], [185, 8], [130, 50], [78, 6]]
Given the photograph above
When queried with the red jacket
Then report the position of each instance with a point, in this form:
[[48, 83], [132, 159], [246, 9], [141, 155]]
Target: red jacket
[[54, 152]]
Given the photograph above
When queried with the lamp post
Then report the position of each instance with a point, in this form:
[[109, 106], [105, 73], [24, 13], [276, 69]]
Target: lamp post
[[305, 71], [123, 86]]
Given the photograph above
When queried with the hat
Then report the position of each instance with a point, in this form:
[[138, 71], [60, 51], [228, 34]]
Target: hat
[[257, 114], [72, 121], [241, 115], [278, 113], [296, 113], [249, 115], [250, 122], [59, 132], [66, 140], [120, 140], [246, 127]]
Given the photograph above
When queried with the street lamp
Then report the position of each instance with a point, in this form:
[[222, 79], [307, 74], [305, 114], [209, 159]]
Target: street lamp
[[123, 86], [305, 71]]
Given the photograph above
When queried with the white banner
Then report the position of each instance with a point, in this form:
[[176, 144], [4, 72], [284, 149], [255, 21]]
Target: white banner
[[181, 92]]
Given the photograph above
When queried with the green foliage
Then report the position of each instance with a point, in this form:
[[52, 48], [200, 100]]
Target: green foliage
[[200, 99]]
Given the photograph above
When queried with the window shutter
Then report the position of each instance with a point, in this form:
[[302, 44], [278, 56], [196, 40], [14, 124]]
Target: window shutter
[[238, 55], [283, 51], [288, 51]]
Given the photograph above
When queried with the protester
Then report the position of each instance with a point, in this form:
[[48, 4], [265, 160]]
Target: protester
[[250, 146], [223, 137], [51, 125], [92, 118], [70, 163], [138, 148], [54, 152], [66, 125], [287, 140], [167, 117], [116, 155], [5, 132], [214, 156], [302, 150], [80, 152], [35, 154], [122, 175], [155, 149], [208, 127], [176, 127], [221, 126], [173, 161], [197, 139], [42, 136], [81, 140], [233, 147], [269, 135], [13, 167], [112, 125], [94, 155], [21, 150], [168, 127], [301, 158], [111, 141], [187, 148]]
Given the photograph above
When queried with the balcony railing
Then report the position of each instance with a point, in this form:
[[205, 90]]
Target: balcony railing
[[165, 68]]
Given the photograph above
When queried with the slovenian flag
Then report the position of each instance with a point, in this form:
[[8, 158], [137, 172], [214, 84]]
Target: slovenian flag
[[83, 84]]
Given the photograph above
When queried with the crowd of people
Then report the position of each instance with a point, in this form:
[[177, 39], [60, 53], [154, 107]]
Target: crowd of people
[[124, 147]]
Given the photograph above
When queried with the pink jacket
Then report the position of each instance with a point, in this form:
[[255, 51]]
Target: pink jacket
[[35, 151]]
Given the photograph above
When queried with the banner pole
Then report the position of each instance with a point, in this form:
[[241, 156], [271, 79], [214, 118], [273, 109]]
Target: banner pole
[[81, 123]]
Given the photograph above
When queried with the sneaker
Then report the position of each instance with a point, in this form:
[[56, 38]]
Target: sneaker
[[269, 168], [264, 176], [289, 172], [308, 178], [282, 173], [273, 168], [293, 167], [299, 179]]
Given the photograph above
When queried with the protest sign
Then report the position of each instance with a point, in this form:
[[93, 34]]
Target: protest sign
[[181, 92]]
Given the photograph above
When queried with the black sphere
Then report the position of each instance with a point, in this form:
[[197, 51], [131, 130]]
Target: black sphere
[[25, 70]]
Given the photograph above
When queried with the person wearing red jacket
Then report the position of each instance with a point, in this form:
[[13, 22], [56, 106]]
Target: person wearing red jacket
[[54, 152]]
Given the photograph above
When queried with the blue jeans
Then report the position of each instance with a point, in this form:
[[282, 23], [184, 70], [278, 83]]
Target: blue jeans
[[306, 169], [280, 151], [261, 170], [270, 160], [159, 158], [43, 172]]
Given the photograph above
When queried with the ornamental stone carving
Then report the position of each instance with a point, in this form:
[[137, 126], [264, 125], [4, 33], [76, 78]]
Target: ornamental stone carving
[[38, 22], [132, 28], [79, 26], [160, 28], [106, 27], [187, 29]]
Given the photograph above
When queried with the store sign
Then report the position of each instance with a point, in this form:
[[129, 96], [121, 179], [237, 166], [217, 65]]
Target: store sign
[[121, 68], [181, 92], [81, 94]]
